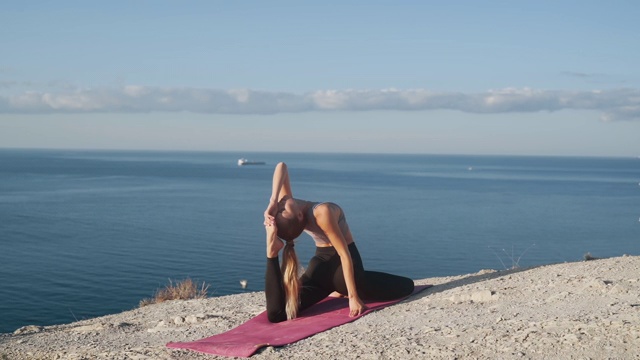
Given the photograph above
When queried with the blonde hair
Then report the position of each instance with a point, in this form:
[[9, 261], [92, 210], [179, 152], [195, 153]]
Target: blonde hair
[[288, 230], [291, 280]]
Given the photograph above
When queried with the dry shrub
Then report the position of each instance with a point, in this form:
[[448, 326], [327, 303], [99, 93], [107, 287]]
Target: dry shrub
[[181, 290], [589, 257]]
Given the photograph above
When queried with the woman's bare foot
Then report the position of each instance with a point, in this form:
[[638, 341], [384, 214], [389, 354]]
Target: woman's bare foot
[[274, 244], [274, 247]]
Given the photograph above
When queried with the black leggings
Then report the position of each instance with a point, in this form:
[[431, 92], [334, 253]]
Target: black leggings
[[324, 276]]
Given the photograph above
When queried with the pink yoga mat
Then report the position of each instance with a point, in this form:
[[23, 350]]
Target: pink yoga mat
[[246, 339]]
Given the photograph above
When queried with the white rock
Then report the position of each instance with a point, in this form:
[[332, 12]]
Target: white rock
[[29, 329], [482, 296]]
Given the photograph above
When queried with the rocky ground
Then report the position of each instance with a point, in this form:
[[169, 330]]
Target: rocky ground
[[583, 310]]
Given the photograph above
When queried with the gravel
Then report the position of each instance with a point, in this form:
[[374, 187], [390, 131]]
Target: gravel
[[582, 310]]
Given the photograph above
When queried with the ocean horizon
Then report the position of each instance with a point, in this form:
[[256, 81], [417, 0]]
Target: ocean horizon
[[86, 233]]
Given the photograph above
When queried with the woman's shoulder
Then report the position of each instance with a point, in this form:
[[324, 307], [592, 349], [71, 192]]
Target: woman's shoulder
[[326, 209], [325, 205]]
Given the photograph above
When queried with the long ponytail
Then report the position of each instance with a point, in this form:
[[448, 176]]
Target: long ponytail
[[290, 268]]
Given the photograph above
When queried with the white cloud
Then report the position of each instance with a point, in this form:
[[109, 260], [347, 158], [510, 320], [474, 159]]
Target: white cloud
[[134, 90], [620, 104]]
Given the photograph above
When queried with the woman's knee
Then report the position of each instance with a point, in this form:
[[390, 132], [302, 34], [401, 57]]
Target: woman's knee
[[383, 286], [407, 286]]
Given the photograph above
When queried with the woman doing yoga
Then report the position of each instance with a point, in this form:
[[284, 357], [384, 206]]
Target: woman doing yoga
[[336, 266]]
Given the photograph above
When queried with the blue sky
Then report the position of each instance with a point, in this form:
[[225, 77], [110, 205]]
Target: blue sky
[[460, 77]]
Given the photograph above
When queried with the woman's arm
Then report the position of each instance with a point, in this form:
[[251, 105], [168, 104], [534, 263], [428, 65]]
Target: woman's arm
[[281, 187], [327, 218]]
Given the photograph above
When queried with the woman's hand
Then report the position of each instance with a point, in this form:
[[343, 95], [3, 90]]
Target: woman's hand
[[274, 244], [356, 306], [270, 212]]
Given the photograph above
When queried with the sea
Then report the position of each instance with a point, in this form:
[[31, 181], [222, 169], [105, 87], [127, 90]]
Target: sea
[[89, 233]]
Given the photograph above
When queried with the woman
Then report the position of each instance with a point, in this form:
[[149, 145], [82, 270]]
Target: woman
[[336, 266]]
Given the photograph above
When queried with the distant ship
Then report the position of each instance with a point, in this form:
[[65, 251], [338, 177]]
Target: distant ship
[[243, 161]]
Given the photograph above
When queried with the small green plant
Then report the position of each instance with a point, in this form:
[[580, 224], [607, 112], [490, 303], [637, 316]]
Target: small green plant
[[180, 290], [515, 262]]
